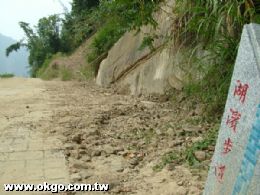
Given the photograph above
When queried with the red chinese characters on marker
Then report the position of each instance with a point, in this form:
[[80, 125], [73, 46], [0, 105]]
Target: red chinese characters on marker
[[233, 119], [228, 144], [241, 91], [219, 172]]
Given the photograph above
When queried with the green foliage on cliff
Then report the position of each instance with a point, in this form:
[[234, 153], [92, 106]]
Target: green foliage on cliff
[[215, 26], [118, 17]]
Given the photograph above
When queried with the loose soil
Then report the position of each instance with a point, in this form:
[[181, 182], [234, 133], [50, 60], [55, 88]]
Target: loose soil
[[131, 143]]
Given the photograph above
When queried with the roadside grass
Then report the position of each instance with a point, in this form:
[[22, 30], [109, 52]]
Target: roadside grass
[[49, 74], [209, 139], [6, 75], [144, 134], [86, 72], [46, 72], [66, 74], [166, 159], [215, 27], [186, 155]]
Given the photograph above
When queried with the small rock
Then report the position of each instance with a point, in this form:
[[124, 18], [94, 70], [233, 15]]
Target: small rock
[[69, 146], [77, 138], [92, 132], [140, 155], [124, 154], [79, 164], [170, 167], [108, 149], [191, 129], [134, 162], [67, 153], [113, 185], [118, 149], [180, 183], [53, 131], [200, 155], [82, 152], [163, 98], [199, 109], [96, 143], [86, 159], [159, 132], [72, 170], [131, 155], [148, 104], [163, 180], [170, 131], [196, 139], [76, 177], [177, 142], [181, 191], [120, 170], [96, 153], [74, 153], [211, 148], [83, 147], [85, 175]]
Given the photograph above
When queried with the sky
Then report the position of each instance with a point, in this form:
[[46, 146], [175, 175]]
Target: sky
[[30, 11]]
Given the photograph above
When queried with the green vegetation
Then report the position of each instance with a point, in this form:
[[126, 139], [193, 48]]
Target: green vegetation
[[66, 74], [214, 26], [80, 24], [118, 17], [166, 159], [209, 139], [86, 72], [147, 42], [6, 75], [46, 72], [41, 43], [108, 19]]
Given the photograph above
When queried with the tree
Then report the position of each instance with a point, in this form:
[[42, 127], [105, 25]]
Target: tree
[[79, 6], [41, 44]]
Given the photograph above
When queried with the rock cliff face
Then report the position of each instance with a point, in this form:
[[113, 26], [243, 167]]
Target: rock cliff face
[[137, 71]]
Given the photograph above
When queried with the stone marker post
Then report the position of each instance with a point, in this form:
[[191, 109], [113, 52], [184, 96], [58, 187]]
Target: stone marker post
[[235, 166]]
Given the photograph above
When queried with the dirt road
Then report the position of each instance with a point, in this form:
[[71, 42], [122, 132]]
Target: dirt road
[[63, 132], [27, 155]]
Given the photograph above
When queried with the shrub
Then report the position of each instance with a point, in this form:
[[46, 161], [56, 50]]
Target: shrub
[[6, 75], [66, 74], [46, 72]]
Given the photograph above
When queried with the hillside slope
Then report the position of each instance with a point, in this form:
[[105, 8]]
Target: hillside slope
[[73, 66], [131, 69], [160, 66]]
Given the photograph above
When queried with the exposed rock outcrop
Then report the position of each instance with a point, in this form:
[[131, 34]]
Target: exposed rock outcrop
[[138, 71]]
